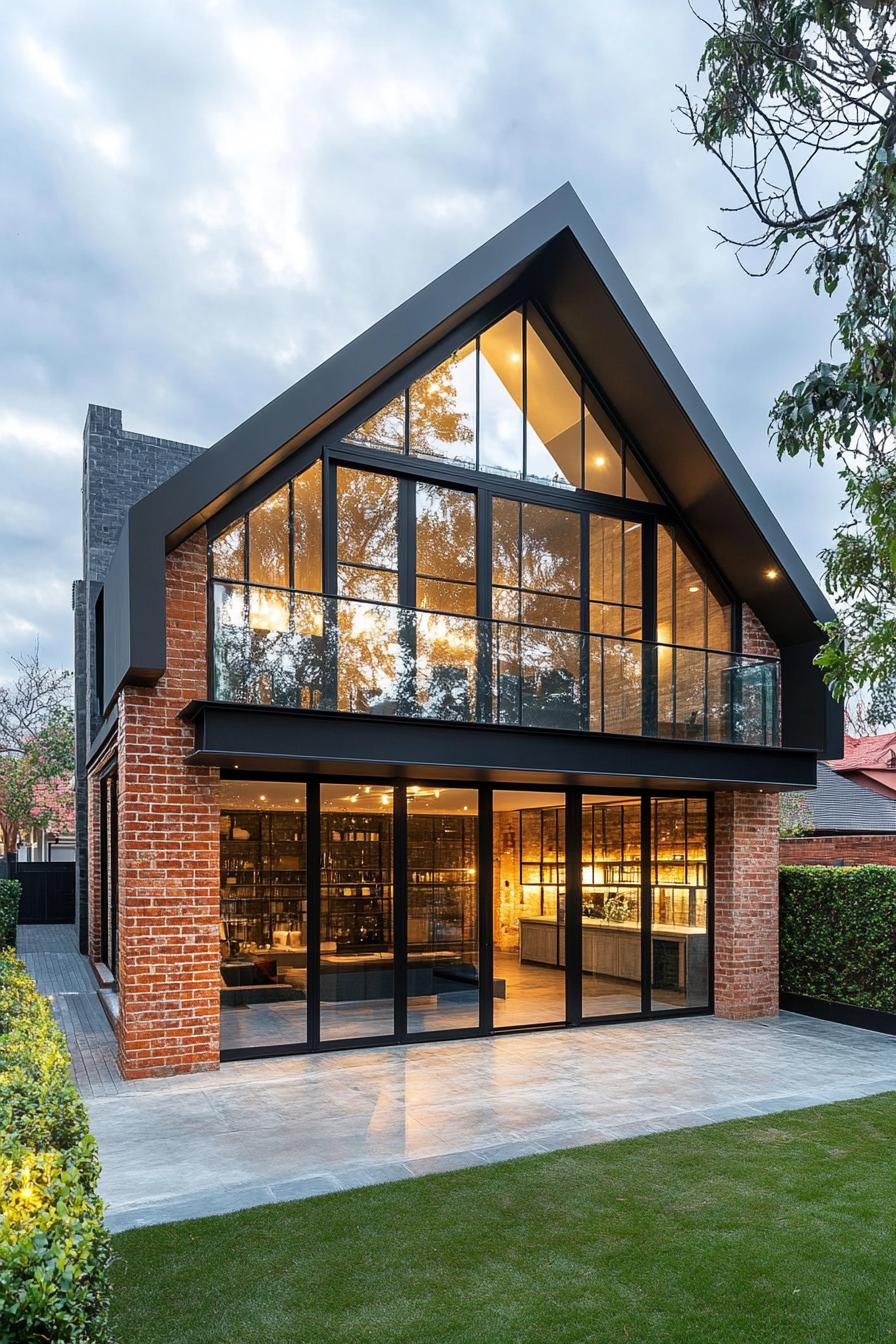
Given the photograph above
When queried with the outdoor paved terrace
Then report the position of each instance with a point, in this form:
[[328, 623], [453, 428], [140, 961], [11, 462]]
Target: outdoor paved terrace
[[269, 1130]]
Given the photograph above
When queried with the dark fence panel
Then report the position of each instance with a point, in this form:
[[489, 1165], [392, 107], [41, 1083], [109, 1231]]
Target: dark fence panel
[[48, 892], [872, 1019]]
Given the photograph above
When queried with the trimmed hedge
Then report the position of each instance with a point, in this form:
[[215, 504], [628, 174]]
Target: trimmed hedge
[[10, 895], [838, 935], [54, 1249]]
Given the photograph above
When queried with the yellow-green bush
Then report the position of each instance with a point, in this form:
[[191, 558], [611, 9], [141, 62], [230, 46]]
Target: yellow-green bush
[[10, 896], [54, 1248]]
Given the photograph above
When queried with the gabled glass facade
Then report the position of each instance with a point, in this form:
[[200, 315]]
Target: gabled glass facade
[[508, 562]]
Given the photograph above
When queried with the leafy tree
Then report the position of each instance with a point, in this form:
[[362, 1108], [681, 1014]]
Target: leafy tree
[[800, 111], [37, 750]]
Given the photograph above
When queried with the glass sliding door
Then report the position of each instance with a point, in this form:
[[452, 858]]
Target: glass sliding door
[[264, 915], [679, 895], [443, 909], [611, 905], [357, 926], [529, 911]]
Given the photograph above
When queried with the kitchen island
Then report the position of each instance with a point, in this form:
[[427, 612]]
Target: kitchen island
[[614, 950]]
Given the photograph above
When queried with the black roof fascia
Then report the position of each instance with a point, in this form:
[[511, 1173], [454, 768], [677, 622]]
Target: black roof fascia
[[571, 271], [249, 737]]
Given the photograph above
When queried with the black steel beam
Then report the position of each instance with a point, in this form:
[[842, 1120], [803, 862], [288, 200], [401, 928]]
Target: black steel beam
[[284, 740]]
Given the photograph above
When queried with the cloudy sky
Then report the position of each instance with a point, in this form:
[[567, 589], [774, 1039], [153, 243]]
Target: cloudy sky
[[201, 199]]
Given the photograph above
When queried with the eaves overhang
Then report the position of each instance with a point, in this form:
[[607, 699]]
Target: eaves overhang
[[284, 741], [557, 255]]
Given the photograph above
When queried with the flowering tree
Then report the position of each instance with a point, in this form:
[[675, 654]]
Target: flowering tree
[[37, 751], [53, 804], [796, 815]]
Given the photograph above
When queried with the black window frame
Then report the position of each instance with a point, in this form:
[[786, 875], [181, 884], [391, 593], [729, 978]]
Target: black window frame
[[571, 798]]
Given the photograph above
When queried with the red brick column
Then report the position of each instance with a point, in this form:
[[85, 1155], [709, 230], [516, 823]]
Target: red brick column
[[168, 869], [746, 904]]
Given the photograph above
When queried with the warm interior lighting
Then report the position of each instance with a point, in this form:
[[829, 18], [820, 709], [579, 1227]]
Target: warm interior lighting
[[600, 460], [771, 573], [514, 357], [694, 588]]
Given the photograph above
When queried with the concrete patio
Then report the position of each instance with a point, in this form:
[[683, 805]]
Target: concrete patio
[[268, 1130]]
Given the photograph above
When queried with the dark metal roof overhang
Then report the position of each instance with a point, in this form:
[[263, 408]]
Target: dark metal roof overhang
[[270, 740], [555, 254]]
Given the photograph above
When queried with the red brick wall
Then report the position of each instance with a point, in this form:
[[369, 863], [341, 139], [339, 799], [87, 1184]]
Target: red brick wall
[[168, 851], [746, 904], [828, 849], [755, 637], [94, 884]]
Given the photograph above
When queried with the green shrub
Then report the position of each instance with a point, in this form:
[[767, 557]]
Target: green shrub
[[838, 935], [54, 1248], [10, 895]]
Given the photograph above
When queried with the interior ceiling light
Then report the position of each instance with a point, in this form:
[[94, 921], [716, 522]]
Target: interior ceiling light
[[514, 357], [771, 573], [694, 588], [600, 460]]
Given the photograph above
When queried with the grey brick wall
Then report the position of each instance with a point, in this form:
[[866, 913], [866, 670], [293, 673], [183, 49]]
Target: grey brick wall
[[119, 467]]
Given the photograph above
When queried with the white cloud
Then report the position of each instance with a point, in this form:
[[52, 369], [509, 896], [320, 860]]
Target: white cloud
[[37, 436], [48, 66]]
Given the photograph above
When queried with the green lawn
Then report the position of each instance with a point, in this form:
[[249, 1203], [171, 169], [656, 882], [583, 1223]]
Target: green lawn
[[778, 1230]]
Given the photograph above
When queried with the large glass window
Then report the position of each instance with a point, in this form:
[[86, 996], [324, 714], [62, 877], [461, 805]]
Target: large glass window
[[553, 410], [512, 402], [443, 909], [536, 576], [269, 540], [446, 549], [691, 608], [399, 910], [442, 410], [696, 691], [367, 535], [357, 931], [611, 906], [536, 564], [385, 429], [679, 887], [501, 396], [529, 914], [263, 932]]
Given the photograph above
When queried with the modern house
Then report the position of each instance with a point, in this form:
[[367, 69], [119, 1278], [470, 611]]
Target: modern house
[[870, 762], [449, 694]]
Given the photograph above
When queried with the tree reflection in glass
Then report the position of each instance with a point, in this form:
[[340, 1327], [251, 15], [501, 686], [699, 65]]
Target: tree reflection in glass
[[442, 410]]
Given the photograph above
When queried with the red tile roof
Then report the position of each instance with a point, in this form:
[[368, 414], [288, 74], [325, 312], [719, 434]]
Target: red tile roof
[[867, 753]]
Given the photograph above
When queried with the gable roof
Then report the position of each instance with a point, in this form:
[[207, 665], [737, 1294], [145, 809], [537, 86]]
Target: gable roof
[[839, 805], [555, 252]]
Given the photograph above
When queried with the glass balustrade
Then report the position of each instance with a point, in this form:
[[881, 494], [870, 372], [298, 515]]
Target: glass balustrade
[[307, 651]]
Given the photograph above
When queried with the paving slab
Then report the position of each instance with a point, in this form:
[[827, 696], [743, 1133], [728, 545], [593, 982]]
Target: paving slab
[[261, 1131]]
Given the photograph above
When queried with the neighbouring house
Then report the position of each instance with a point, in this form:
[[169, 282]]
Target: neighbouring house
[[852, 822], [449, 694], [39, 845], [869, 761]]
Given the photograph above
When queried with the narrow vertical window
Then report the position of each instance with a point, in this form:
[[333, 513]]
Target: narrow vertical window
[[501, 396]]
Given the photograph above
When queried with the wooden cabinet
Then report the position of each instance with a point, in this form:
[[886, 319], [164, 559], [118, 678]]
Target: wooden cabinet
[[615, 951], [628, 954]]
